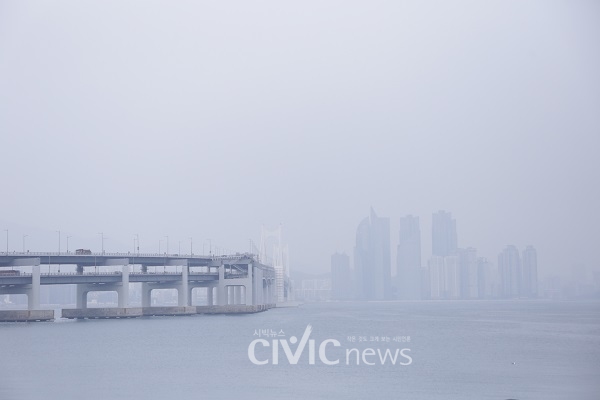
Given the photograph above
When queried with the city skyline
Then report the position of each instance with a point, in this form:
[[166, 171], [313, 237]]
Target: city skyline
[[450, 272]]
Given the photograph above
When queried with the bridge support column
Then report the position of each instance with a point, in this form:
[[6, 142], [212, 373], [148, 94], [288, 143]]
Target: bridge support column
[[250, 299], [230, 297], [33, 297], [182, 289], [210, 295], [81, 301], [146, 295], [237, 295], [123, 291], [221, 288]]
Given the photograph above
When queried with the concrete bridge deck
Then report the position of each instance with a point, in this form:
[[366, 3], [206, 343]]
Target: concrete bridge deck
[[233, 280]]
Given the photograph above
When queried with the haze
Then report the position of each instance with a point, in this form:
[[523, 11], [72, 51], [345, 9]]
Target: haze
[[210, 119]]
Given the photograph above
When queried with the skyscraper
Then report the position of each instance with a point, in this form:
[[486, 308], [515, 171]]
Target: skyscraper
[[436, 284], [529, 284], [468, 273], [408, 261], [340, 277], [372, 258], [509, 267], [451, 277], [444, 238], [488, 279]]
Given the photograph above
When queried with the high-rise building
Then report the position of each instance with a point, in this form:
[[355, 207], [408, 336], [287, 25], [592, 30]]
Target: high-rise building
[[488, 279], [444, 238], [408, 260], [451, 277], [509, 267], [372, 258], [468, 273], [341, 281], [444, 277], [529, 284], [436, 277]]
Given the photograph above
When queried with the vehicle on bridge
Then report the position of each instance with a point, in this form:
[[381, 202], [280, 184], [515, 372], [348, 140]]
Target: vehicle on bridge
[[83, 251]]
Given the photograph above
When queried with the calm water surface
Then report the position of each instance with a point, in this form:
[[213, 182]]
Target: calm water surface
[[460, 350]]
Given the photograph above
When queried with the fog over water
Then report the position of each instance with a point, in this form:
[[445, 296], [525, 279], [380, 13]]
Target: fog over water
[[210, 119]]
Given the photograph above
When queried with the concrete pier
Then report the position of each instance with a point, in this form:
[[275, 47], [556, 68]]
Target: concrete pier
[[134, 312], [233, 309], [158, 311], [26, 315], [94, 313]]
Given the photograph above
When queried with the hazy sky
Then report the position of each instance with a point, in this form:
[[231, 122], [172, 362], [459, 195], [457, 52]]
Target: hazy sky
[[211, 118]]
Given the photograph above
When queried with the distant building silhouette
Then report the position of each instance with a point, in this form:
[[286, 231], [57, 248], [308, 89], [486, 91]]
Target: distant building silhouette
[[444, 277], [469, 288], [488, 279], [509, 267], [408, 260], [444, 238], [529, 284], [372, 258], [436, 277], [341, 282]]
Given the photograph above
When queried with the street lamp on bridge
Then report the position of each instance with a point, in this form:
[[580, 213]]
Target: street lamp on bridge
[[24, 236]]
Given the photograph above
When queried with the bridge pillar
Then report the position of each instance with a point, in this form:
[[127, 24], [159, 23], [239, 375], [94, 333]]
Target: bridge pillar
[[237, 295], [221, 288], [210, 295], [146, 294], [250, 299], [81, 301], [33, 295], [123, 291], [182, 290], [230, 294], [258, 286]]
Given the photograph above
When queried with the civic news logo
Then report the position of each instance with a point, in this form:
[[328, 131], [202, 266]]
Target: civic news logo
[[327, 352]]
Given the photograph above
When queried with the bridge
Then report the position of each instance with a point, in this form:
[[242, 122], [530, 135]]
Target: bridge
[[234, 283]]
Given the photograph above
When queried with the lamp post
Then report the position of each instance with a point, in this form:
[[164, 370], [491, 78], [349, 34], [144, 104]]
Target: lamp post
[[24, 236], [179, 249], [191, 247], [58, 242], [68, 243], [167, 244], [137, 237]]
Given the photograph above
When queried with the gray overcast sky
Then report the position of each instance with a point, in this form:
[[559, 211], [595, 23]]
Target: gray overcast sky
[[211, 118]]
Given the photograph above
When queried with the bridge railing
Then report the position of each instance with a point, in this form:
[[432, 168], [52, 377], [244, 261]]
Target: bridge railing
[[238, 256]]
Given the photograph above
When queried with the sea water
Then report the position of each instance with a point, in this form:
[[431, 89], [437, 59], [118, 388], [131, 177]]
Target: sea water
[[456, 350]]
